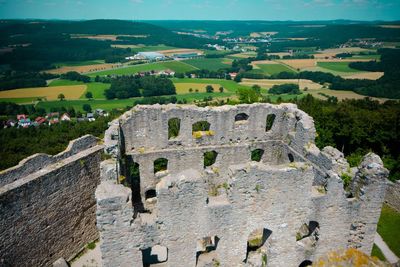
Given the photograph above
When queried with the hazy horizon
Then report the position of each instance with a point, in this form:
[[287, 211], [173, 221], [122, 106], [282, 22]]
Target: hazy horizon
[[220, 10]]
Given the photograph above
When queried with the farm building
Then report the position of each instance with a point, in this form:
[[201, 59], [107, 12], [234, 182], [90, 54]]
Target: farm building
[[153, 56]]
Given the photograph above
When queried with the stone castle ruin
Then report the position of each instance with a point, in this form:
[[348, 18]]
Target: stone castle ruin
[[47, 205], [237, 185]]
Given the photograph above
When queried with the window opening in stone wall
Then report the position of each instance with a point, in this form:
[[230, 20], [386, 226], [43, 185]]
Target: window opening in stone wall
[[201, 128], [290, 157], [269, 122], [256, 240], [174, 126], [206, 251], [154, 255], [160, 164], [305, 263], [241, 117], [209, 158], [150, 194], [257, 154]]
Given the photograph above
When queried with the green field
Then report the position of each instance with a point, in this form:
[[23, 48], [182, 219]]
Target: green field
[[229, 86], [61, 82], [97, 90], [151, 48], [337, 66], [25, 100], [389, 228], [208, 63], [271, 69], [176, 66], [77, 104], [78, 63]]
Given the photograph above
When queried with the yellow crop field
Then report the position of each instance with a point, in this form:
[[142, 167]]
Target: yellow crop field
[[49, 93], [183, 88], [365, 75], [310, 63], [268, 83], [83, 69]]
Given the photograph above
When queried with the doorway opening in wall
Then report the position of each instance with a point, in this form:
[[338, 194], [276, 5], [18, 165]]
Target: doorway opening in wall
[[256, 154], [160, 164], [269, 122], [133, 174], [206, 251], [174, 126], [255, 244], [154, 255]]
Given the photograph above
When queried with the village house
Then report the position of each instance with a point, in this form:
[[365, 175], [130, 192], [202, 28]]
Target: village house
[[65, 117], [39, 121]]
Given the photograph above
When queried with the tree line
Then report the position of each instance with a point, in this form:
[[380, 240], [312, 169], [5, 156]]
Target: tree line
[[136, 86]]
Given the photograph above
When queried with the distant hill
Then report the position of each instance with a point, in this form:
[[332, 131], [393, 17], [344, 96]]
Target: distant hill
[[40, 43]]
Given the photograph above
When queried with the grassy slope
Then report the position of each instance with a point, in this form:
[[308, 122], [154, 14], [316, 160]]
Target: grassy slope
[[97, 90], [389, 228], [337, 66]]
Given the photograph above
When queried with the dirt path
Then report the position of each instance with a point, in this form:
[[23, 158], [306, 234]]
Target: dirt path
[[389, 255]]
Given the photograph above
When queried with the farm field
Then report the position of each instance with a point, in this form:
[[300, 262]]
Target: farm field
[[341, 95], [176, 66], [271, 69], [267, 83], [337, 66], [49, 93], [97, 89], [209, 63], [24, 100], [229, 86], [310, 63], [77, 104], [183, 88], [365, 75], [332, 52], [171, 52], [83, 68], [79, 63], [242, 55]]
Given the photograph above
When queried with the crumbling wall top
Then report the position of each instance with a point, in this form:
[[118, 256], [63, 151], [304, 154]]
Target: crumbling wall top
[[39, 161]]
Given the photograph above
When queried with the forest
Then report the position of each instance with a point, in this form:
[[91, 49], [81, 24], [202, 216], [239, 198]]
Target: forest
[[135, 86]]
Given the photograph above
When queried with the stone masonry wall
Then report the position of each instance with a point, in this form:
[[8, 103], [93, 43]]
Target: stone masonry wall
[[393, 195], [47, 210], [294, 196]]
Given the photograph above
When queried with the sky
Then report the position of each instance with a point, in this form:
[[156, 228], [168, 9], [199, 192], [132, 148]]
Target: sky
[[202, 10]]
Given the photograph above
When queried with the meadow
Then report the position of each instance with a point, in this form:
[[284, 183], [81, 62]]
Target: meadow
[[209, 63], [176, 66], [184, 88], [337, 66], [271, 69]]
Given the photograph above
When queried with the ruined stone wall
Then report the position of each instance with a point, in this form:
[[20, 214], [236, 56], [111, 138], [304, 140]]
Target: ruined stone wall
[[208, 216], [47, 205], [393, 195]]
